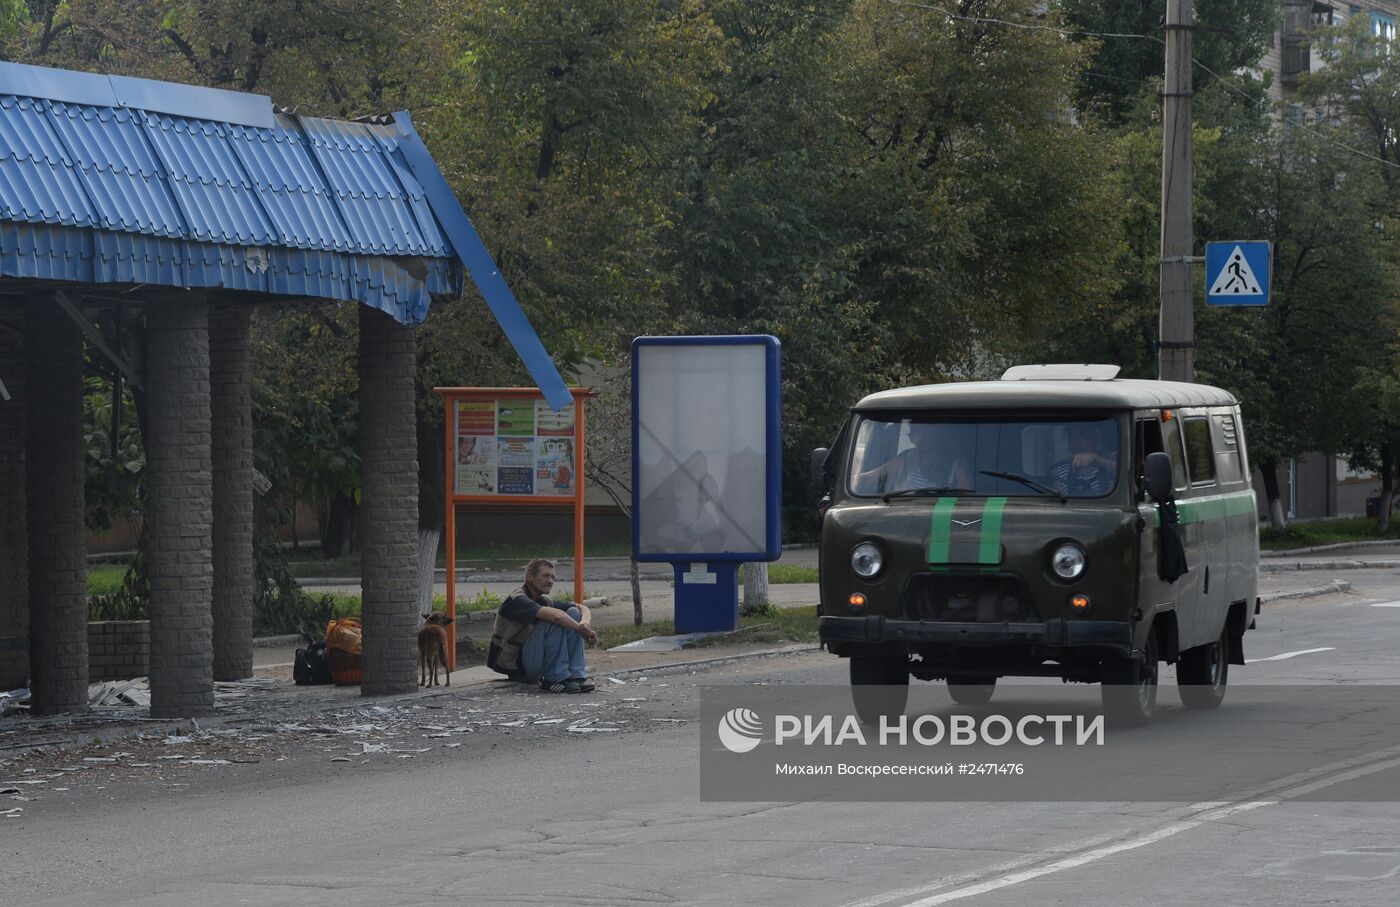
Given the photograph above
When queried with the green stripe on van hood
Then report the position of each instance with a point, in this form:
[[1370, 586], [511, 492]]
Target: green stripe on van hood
[[940, 530], [964, 545]]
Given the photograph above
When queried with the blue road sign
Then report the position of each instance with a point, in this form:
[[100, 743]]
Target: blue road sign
[[1237, 273]]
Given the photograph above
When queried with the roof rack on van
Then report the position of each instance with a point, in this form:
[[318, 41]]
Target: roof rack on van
[[1060, 372]]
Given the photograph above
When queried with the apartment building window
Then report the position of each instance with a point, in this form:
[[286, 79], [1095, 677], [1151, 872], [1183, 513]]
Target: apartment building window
[[1383, 26]]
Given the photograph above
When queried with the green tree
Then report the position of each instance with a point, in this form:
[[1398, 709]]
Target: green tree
[[1357, 90], [1128, 50], [1296, 363]]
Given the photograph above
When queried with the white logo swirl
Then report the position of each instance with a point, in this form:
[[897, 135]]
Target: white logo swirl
[[740, 730]]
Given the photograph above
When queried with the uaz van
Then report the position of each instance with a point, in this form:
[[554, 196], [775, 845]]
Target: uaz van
[[1059, 522]]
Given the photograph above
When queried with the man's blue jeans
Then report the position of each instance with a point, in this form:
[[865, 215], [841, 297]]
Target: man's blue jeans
[[552, 652]]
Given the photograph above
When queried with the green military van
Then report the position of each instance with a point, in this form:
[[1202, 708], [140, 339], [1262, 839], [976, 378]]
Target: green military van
[[1059, 522]]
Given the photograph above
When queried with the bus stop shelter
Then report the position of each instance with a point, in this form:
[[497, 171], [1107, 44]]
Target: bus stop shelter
[[179, 209]]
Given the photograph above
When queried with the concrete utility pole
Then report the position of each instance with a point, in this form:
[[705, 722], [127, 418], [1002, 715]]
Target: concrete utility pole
[[1176, 347]]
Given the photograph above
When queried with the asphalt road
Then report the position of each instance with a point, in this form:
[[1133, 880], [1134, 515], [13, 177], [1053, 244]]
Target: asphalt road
[[505, 797]]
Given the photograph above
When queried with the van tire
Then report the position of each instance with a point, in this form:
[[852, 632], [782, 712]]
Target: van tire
[[971, 691], [879, 686], [1202, 672], [1130, 688]]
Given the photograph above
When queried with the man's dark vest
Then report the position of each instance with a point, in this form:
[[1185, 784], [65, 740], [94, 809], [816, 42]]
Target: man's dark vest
[[508, 639]]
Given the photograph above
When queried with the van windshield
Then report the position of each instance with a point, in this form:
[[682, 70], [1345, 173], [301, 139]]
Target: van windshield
[[1035, 457]]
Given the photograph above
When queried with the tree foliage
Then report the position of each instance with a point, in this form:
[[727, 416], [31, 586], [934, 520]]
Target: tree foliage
[[901, 192]]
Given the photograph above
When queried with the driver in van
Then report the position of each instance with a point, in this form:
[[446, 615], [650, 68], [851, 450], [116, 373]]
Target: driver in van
[[1087, 472]]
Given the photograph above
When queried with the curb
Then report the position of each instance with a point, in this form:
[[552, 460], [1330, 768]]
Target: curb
[[1329, 589], [1329, 565], [717, 660], [267, 642], [1374, 543], [320, 582]]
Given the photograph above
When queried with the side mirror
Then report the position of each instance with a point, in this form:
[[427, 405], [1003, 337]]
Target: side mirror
[[1157, 469], [818, 463]]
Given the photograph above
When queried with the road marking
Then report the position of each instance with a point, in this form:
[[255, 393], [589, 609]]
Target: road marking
[[1295, 785], [1284, 655], [1091, 856], [1385, 604]]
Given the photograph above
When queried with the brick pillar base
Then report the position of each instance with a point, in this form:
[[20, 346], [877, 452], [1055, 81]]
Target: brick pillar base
[[58, 656], [179, 506], [389, 514], [14, 547], [231, 391]]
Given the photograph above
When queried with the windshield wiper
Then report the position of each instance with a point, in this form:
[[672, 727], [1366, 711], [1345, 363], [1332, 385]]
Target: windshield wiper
[[1024, 480], [929, 491]]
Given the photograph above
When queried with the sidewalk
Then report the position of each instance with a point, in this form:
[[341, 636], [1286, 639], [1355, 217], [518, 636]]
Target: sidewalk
[[270, 698]]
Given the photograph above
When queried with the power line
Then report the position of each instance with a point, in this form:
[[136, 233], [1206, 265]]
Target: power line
[[1301, 123], [1023, 25], [1140, 37]]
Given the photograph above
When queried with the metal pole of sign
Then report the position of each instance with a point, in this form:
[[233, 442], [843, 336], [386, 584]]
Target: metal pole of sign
[[450, 508], [1176, 352], [577, 467]]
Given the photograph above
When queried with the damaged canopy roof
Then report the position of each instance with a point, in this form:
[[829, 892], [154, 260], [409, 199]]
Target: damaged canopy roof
[[109, 179]]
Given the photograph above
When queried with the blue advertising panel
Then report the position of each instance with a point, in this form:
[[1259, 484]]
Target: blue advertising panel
[[1237, 273], [706, 449]]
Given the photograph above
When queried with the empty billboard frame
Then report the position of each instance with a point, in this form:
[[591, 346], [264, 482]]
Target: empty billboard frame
[[706, 448]]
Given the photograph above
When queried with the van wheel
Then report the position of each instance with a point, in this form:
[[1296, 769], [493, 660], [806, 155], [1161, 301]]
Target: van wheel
[[1130, 688], [970, 691], [1201, 674], [879, 686]]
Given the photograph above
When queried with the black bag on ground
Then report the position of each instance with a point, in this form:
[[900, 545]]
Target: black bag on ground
[[312, 665]]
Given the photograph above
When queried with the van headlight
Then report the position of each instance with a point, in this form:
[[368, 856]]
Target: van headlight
[[867, 560], [1068, 561]]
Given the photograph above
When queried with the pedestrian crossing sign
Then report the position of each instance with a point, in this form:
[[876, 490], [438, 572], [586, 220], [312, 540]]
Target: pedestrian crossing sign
[[1237, 273]]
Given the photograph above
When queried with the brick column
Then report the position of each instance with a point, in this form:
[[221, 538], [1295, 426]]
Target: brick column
[[58, 657], [179, 505], [389, 509], [231, 392], [14, 561]]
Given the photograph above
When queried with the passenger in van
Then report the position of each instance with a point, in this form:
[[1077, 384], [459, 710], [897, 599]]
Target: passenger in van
[[1087, 473], [920, 466]]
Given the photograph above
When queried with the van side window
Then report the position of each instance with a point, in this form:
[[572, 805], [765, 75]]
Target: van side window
[[1227, 459], [1171, 440], [1147, 438], [1200, 457]]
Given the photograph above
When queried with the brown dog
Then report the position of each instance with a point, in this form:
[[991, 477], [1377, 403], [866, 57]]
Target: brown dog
[[432, 648]]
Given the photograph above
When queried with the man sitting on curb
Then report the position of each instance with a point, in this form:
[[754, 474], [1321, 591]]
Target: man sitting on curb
[[534, 640]]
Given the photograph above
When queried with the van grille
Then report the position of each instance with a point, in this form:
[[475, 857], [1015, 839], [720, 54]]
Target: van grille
[[972, 597]]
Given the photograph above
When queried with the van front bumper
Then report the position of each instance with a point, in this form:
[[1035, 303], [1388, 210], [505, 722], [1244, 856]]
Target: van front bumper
[[1109, 636]]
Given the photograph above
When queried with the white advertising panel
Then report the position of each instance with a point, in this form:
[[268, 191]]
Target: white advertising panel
[[702, 457]]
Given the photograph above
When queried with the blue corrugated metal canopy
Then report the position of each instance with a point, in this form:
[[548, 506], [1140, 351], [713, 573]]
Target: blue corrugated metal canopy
[[106, 179]]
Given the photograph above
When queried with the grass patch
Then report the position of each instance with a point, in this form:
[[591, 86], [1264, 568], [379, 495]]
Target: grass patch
[[625, 633], [348, 604], [105, 579], [1324, 532], [779, 574], [773, 625], [769, 625], [308, 562]]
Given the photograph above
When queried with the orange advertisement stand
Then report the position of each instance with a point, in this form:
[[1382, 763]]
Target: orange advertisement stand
[[505, 446]]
